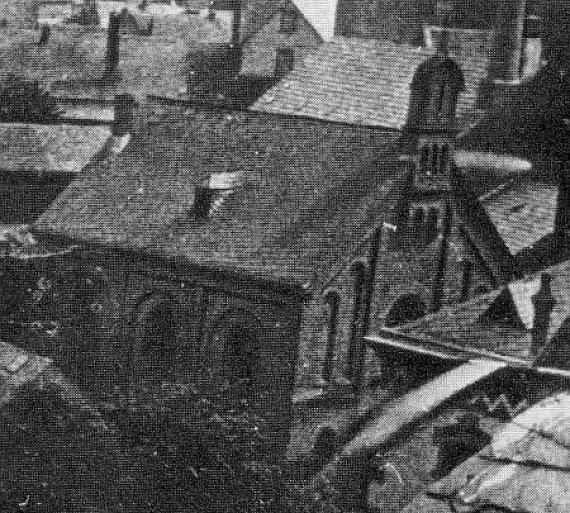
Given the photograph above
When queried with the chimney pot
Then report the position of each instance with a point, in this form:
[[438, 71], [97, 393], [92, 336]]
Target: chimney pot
[[124, 114], [543, 303]]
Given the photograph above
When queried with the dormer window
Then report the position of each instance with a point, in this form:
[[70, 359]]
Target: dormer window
[[288, 22]]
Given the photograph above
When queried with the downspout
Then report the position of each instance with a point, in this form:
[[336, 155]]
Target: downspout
[[372, 264]]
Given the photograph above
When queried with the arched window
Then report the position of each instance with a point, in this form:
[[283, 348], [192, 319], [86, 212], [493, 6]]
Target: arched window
[[431, 226], [443, 159], [241, 354], [235, 354], [155, 333], [424, 160], [359, 277], [406, 308], [332, 304], [433, 167]]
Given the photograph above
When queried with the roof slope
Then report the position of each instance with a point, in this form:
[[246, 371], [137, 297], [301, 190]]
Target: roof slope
[[308, 191], [364, 82], [494, 323], [49, 148], [525, 468], [523, 211]]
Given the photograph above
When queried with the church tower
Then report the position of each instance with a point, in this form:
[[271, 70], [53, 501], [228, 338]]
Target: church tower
[[428, 143]]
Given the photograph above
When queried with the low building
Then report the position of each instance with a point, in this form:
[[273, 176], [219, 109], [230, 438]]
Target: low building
[[524, 468]]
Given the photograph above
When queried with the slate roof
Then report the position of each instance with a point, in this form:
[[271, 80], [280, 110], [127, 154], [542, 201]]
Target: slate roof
[[525, 468], [49, 148], [523, 211], [363, 82], [497, 323], [309, 191], [73, 61]]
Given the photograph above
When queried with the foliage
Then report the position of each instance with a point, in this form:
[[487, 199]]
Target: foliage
[[210, 454], [26, 102]]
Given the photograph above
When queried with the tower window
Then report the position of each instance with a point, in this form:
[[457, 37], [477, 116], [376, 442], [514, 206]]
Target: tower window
[[284, 61], [359, 277], [424, 160], [332, 303], [431, 226], [433, 167], [288, 21], [443, 159]]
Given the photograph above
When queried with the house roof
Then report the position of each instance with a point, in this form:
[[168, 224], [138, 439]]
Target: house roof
[[523, 210], [49, 148], [525, 468], [321, 14], [496, 324], [363, 82], [308, 191], [72, 62]]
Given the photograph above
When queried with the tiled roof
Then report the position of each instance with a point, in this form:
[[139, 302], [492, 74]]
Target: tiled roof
[[73, 60], [363, 81], [495, 322], [525, 468], [309, 191], [523, 211], [49, 148]]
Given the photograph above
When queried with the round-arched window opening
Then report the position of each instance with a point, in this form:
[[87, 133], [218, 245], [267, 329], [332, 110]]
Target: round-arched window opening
[[241, 352], [155, 340], [407, 308], [431, 230]]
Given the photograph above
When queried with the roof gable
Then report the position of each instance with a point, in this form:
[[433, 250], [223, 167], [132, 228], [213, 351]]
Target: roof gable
[[364, 82], [321, 14]]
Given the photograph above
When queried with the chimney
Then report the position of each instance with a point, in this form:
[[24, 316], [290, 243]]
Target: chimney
[[44, 35], [543, 303], [113, 42], [531, 61], [124, 114], [213, 191], [508, 46]]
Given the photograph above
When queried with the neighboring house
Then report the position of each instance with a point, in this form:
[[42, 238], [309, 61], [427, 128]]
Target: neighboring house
[[293, 29], [460, 375], [524, 468], [18, 14], [37, 162], [89, 66], [402, 21], [52, 12]]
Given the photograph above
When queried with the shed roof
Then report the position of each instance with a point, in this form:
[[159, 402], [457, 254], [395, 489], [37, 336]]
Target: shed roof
[[525, 468], [308, 191], [49, 148], [364, 82], [497, 323]]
